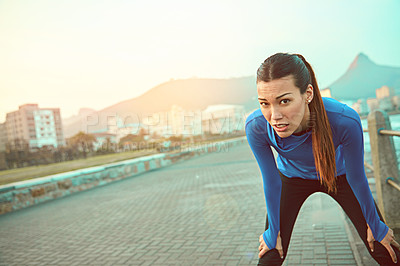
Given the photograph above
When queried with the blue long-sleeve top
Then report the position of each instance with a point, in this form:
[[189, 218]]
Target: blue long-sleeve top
[[295, 159]]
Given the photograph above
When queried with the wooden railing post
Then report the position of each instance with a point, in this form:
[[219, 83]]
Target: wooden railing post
[[384, 160]]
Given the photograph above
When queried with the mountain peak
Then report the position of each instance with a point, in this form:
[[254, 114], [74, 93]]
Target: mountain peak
[[361, 59], [363, 77]]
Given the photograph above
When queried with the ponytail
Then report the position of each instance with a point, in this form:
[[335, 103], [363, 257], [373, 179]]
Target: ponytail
[[322, 143]]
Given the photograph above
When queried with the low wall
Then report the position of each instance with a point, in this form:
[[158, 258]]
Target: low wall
[[23, 194]]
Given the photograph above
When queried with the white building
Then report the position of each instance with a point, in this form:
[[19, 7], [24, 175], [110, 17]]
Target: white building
[[157, 123], [175, 122], [117, 127], [223, 119], [101, 141], [215, 119]]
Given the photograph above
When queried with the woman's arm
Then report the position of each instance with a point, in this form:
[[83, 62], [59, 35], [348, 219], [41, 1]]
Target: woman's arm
[[353, 151], [271, 180]]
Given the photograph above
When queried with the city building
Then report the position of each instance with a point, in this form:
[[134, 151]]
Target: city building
[[386, 104], [396, 102], [120, 128], [373, 104], [102, 143], [175, 122], [158, 124], [384, 92], [361, 107], [36, 126], [223, 118], [185, 122], [326, 93], [384, 96], [3, 137], [3, 141], [215, 119]]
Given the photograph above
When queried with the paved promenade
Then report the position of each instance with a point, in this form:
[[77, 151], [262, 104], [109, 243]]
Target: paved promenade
[[209, 210]]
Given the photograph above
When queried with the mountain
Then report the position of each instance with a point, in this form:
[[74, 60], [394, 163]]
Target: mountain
[[70, 124], [363, 77], [190, 94], [360, 80]]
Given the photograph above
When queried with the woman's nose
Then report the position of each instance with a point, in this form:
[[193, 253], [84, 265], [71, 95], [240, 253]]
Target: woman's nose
[[276, 114]]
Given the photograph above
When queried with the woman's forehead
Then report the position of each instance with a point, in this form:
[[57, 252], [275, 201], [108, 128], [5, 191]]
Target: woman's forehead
[[277, 87]]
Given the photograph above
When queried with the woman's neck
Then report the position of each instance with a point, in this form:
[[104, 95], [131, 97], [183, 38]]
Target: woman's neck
[[302, 132], [305, 123]]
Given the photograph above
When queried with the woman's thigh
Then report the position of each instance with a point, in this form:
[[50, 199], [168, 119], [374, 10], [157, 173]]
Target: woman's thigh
[[294, 193]]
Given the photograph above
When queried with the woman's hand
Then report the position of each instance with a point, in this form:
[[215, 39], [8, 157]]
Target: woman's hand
[[386, 241], [263, 248]]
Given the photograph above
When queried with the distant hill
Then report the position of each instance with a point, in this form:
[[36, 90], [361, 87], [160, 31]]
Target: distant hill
[[363, 77], [360, 80], [70, 124], [191, 94]]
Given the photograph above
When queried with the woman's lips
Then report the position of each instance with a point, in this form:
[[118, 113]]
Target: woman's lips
[[281, 128]]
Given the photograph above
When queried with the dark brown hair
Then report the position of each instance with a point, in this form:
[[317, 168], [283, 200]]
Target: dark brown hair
[[282, 65]]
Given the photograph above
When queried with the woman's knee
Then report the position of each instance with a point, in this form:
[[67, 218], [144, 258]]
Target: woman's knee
[[382, 256], [271, 258]]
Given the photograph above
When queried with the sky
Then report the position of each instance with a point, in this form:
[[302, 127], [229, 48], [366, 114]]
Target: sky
[[76, 54]]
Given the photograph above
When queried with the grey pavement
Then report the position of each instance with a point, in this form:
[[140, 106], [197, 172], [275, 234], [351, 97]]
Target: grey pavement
[[208, 210]]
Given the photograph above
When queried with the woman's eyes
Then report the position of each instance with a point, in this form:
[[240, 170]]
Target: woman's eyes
[[284, 101]]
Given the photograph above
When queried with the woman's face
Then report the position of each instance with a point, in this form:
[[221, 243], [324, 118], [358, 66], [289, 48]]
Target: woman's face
[[284, 107]]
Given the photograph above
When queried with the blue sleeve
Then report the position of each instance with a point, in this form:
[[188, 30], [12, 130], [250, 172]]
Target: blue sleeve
[[353, 152], [271, 180]]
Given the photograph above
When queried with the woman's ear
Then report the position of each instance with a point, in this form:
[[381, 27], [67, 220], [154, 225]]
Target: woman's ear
[[309, 93]]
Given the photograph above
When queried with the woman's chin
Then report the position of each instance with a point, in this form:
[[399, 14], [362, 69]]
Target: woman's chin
[[284, 134]]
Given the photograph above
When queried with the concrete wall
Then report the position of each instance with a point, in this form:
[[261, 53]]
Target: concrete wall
[[23, 194]]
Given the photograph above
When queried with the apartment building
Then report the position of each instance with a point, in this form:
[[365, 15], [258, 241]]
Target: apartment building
[[3, 137], [36, 126]]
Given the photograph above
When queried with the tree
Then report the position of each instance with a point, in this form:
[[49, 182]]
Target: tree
[[82, 142], [131, 141], [17, 152]]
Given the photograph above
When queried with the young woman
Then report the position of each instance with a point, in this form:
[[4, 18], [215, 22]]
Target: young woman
[[320, 149]]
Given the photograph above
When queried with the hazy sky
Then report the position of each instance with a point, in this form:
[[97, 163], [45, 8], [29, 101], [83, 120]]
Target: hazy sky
[[72, 54]]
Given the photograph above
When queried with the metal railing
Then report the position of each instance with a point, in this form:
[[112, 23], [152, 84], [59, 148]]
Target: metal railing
[[370, 167], [382, 131], [389, 180]]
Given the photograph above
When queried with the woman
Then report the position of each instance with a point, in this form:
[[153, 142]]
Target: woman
[[320, 149]]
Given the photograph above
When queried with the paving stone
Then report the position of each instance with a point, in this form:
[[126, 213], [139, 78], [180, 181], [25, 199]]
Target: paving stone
[[232, 263], [294, 260], [340, 252], [341, 262], [209, 210]]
